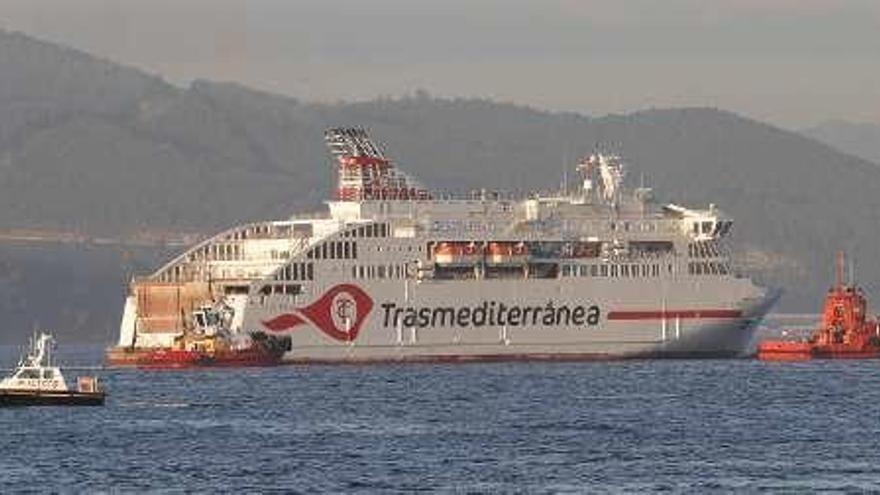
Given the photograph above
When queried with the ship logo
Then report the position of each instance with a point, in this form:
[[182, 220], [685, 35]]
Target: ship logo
[[339, 313]]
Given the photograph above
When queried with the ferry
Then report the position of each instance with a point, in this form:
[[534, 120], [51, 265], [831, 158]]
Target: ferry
[[37, 382], [392, 271]]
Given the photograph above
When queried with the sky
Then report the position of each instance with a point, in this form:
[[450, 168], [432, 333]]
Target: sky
[[793, 63]]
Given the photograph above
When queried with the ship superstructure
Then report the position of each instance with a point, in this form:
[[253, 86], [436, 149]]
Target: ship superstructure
[[393, 271]]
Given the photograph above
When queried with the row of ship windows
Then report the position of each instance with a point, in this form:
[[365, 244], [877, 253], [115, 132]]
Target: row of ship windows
[[220, 252], [378, 271], [642, 270], [612, 270], [336, 250], [627, 226], [478, 226], [288, 289], [708, 268], [369, 230], [297, 271], [703, 250]]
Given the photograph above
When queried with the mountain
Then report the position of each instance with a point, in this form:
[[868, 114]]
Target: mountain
[[858, 139], [91, 146]]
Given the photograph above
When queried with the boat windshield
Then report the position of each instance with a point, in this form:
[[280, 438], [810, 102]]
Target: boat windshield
[[29, 374]]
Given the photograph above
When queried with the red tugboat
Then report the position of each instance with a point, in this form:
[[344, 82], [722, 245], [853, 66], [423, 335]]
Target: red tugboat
[[846, 333], [206, 342], [211, 351]]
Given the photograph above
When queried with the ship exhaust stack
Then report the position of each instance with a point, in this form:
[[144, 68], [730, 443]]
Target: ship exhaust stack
[[365, 173]]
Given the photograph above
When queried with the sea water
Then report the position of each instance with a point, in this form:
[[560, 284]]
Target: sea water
[[710, 425]]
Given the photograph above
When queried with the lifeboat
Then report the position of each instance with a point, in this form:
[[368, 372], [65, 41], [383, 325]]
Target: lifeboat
[[506, 252], [845, 331], [458, 253]]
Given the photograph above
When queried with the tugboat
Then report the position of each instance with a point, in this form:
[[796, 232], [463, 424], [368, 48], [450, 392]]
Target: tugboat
[[845, 333], [36, 382], [207, 342]]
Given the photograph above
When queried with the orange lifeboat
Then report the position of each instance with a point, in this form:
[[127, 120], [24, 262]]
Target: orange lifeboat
[[458, 253], [845, 332], [506, 252]]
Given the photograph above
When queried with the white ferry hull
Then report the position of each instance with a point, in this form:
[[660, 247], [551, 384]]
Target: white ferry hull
[[624, 328]]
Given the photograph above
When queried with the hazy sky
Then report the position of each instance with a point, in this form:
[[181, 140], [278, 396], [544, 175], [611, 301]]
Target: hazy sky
[[790, 62]]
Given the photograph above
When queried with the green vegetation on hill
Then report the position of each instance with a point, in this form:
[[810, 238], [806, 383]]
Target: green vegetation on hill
[[92, 146]]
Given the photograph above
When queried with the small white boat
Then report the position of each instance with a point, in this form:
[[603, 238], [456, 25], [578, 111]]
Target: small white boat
[[36, 382]]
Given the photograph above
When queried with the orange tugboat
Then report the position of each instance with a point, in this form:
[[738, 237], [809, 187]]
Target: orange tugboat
[[846, 332]]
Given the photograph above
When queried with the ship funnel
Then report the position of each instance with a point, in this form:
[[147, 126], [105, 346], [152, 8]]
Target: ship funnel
[[365, 173]]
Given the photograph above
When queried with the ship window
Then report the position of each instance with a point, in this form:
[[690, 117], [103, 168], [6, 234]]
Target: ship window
[[696, 227], [310, 254], [29, 374], [566, 270], [381, 271], [584, 270], [603, 270], [655, 271], [339, 253], [594, 270], [707, 227], [310, 273], [354, 250], [624, 270], [347, 250], [613, 270], [369, 230]]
